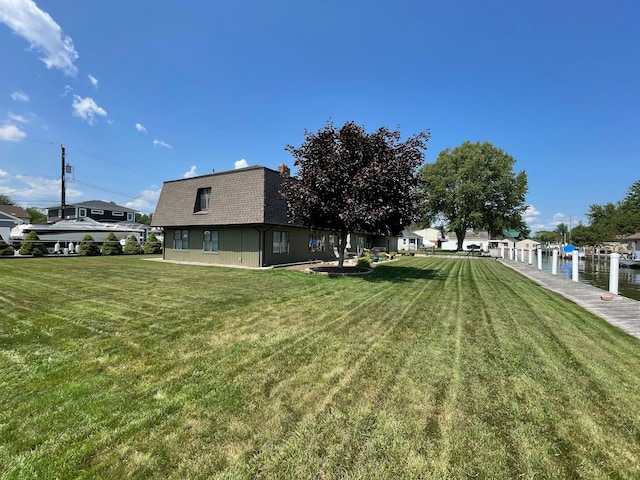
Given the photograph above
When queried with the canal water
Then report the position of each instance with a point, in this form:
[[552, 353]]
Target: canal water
[[594, 271]]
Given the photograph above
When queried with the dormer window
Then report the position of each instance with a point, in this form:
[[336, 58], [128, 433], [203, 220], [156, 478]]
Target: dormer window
[[202, 200]]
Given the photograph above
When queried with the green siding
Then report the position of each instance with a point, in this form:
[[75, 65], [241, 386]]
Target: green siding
[[237, 246]]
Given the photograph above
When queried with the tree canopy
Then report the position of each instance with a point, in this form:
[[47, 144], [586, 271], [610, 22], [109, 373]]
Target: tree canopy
[[474, 187], [5, 200], [611, 221], [348, 180]]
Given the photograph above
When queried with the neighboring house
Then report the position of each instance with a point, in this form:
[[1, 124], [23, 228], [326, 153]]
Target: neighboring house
[[10, 216], [95, 209], [409, 241], [17, 212], [528, 244], [239, 218], [633, 243], [480, 239], [431, 237]]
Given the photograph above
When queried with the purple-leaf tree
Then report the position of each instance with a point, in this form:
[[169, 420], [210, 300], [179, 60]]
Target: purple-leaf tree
[[348, 180]]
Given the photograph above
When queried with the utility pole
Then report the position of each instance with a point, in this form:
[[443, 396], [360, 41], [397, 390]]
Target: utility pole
[[63, 186]]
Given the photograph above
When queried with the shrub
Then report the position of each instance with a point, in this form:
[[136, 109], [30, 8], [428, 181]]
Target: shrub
[[132, 247], [33, 246], [6, 250], [88, 246], [152, 245], [111, 245], [364, 262]]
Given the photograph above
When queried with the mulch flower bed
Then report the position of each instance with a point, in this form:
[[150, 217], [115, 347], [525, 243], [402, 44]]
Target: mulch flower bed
[[331, 270]]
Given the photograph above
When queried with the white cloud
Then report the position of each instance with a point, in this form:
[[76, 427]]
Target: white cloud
[[242, 163], [93, 80], [146, 202], [42, 32], [161, 143], [190, 173], [35, 190], [11, 133], [17, 118], [87, 109], [20, 96], [141, 128]]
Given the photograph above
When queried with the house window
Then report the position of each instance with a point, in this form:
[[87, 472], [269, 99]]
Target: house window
[[202, 199], [181, 239], [130, 216], [97, 212], [316, 243], [280, 242], [118, 214], [210, 241], [82, 212]]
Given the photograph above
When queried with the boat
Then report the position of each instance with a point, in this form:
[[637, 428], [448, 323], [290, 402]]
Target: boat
[[630, 262], [75, 229]]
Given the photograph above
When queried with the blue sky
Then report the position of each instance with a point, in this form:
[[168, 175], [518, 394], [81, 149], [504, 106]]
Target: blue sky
[[141, 92]]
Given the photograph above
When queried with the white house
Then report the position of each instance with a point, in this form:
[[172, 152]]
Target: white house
[[409, 240], [430, 237], [480, 239]]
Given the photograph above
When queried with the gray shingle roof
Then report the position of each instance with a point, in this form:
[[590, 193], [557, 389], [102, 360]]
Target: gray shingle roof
[[99, 205], [243, 196]]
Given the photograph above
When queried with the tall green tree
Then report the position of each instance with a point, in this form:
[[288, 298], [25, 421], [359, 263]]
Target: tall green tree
[[348, 180], [630, 210], [474, 187], [5, 200], [36, 215], [562, 232], [144, 218], [545, 236]]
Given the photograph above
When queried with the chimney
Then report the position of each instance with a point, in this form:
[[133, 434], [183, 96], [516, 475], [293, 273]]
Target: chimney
[[284, 170]]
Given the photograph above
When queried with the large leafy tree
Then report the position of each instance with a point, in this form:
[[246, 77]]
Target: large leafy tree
[[348, 180], [474, 187], [5, 200], [36, 215]]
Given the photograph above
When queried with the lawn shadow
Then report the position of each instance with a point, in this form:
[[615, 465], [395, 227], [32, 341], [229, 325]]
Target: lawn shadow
[[401, 274]]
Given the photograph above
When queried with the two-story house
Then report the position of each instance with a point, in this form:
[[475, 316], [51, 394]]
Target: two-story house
[[238, 217]]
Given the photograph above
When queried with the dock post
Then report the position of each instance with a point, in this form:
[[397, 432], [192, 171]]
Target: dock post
[[530, 257], [574, 265], [554, 263], [539, 255], [613, 272]]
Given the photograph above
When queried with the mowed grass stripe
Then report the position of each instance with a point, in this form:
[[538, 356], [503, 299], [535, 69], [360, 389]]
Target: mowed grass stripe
[[429, 368]]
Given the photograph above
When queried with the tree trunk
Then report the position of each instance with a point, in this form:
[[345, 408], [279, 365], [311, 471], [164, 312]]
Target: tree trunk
[[460, 238], [343, 248]]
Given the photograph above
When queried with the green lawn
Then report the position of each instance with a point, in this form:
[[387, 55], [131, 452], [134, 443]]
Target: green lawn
[[119, 367]]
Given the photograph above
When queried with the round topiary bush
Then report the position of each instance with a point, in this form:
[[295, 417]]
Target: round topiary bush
[[111, 245], [6, 250], [88, 246], [152, 245], [32, 245], [132, 247]]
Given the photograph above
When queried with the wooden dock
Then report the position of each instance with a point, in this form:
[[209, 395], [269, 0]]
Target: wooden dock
[[620, 311]]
